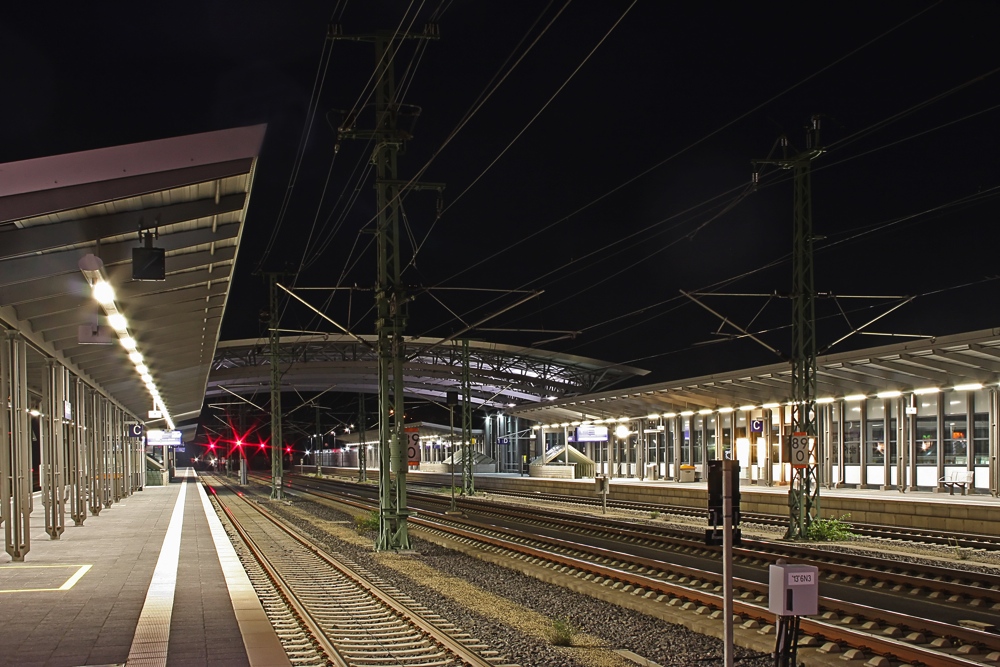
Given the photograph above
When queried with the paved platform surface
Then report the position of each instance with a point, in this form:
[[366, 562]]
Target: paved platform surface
[[152, 580]]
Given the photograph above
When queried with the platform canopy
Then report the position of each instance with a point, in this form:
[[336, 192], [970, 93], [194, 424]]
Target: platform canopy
[[499, 375], [944, 363], [192, 194]]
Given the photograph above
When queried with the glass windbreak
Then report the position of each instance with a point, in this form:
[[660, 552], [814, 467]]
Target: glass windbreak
[[686, 456], [835, 434], [955, 445], [981, 429], [713, 445], [697, 440], [852, 442], [926, 434]]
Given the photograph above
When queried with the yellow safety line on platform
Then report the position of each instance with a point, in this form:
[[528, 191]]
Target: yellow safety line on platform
[[80, 571]]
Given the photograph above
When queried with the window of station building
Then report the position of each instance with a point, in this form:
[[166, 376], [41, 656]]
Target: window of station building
[[852, 433], [981, 429], [954, 444]]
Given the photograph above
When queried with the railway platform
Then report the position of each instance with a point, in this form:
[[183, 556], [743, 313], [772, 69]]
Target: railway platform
[[151, 581]]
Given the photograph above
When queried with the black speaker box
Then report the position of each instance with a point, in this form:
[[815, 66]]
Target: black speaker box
[[149, 264]]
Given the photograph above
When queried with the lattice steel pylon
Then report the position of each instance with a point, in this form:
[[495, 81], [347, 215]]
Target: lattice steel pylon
[[803, 494], [390, 295], [468, 451], [277, 440], [362, 437]]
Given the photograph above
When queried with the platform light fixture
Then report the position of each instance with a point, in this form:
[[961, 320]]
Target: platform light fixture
[[855, 397], [705, 411], [669, 415], [92, 268], [926, 390], [825, 399], [652, 416], [725, 410], [970, 386], [687, 413], [771, 406], [889, 394], [748, 408]]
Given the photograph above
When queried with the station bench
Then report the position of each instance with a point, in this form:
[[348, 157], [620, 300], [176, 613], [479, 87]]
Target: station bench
[[960, 478]]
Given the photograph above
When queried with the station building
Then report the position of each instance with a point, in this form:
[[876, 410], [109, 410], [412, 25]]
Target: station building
[[910, 416]]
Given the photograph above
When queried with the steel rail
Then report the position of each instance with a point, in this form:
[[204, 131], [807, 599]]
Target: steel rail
[[424, 626], [285, 589], [986, 586], [882, 645]]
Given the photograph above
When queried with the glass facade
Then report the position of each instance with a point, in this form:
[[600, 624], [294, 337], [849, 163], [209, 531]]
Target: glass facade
[[956, 429]]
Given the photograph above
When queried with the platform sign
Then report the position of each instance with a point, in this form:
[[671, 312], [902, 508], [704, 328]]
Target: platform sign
[[163, 438], [591, 433], [413, 447], [756, 425], [503, 441], [798, 454], [133, 430]]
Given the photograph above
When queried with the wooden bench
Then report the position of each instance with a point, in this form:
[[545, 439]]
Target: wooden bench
[[959, 478]]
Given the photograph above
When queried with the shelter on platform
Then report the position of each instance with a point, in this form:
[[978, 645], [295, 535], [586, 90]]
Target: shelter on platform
[[563, 462]]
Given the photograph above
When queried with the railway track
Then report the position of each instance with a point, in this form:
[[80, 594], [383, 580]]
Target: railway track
[[843, 627], [353, 618], [962, 540]]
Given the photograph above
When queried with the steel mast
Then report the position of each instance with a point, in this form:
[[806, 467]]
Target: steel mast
[[803, 495], [391, 299]]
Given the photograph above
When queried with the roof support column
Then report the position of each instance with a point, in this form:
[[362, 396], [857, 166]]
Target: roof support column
[[15, 454], [52, 447], [76, 461]]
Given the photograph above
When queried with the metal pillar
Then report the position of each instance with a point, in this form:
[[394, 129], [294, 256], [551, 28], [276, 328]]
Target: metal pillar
[[390, 296], [76, 450], [277, 440], [468, 451], [803, 494], [15, 452], [94, 470], [52, 462], [362, 438]]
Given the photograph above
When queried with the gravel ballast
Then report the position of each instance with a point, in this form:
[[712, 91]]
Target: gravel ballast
[[509, 611]]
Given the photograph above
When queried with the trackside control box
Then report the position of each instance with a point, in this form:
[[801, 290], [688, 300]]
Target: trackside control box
[[793, 590]]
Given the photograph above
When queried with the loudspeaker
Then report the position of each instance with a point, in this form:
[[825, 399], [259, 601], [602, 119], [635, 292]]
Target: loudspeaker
[[149, 264]]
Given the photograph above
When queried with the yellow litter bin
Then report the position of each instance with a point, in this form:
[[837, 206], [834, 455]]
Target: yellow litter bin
[[687, 473]]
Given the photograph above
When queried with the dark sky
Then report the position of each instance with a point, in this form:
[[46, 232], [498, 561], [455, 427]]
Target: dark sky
[[628, 187]]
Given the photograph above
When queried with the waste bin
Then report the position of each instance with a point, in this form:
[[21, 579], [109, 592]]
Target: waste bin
[[651, 471], [687, 473]]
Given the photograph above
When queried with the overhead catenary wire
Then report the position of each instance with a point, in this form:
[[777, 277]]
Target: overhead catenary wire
[[688, 147]]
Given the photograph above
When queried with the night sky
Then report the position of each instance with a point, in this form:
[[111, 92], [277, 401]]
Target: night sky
[[631, 184]]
